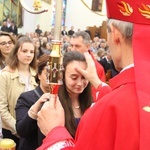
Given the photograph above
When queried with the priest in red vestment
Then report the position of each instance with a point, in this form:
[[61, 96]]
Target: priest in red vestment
[[120, 120]]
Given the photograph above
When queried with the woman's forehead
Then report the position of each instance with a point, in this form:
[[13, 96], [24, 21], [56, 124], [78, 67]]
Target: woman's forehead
[[74, 64]]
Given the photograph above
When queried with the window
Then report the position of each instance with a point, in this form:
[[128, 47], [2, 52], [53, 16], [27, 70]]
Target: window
[[64, 12], [11, 9]]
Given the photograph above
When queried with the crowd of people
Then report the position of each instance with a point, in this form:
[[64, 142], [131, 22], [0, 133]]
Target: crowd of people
[[103, 102], [23, 70], [28, 97], [42, 40], [120, 119], [9, 26]]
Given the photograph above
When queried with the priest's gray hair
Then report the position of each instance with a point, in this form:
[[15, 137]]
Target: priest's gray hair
[[125, 28]]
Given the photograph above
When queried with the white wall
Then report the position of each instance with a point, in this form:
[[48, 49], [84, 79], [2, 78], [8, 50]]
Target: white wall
[[77, 15], [31, 20], [28, 19], [45, 18]]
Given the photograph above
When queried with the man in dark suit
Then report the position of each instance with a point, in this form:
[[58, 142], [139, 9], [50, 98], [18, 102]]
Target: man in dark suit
[[88, 31], [38, 30], [14, 28], [64, 32], [71, 31], [4, 27], [108, 66], [105, 62]]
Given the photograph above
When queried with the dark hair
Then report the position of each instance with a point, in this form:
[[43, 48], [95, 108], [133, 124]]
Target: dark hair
[[20, 35], [85, 98], [39, 50], [44, 45], [42, 61], [12, 60]]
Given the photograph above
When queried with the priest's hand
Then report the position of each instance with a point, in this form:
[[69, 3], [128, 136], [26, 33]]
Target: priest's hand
[[51, 115], [90, 72]]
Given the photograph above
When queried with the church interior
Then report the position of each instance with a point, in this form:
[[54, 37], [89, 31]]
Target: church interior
[[79, 14]]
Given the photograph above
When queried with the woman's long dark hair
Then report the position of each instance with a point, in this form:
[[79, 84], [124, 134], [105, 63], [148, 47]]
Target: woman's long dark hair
[[85, 98]]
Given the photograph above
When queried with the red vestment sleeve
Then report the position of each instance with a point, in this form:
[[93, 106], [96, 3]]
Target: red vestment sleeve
[[56, 135], [101, 91]]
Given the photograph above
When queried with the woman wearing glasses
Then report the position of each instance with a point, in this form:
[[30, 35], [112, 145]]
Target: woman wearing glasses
[[6, 44]]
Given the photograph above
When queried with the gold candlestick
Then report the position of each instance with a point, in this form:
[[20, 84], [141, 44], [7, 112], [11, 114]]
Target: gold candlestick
[[54, 66], [7, 144]]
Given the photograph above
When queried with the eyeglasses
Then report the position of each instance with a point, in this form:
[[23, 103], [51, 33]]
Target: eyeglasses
[[6, 43]]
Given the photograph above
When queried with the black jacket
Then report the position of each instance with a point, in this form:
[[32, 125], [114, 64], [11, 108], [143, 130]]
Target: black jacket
[[108, 66], [64, 33], [5, 29], [27, 127], [14, 30], [70, 32]]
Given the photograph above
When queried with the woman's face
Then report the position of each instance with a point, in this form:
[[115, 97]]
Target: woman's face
[[75, 82], [48, 46], [26, 53], [42, 77], [6, 45], [37, 44]]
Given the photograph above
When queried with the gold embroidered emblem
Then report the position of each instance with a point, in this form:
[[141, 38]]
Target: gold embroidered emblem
[[146, 108], [125, 8], [145, 11]]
